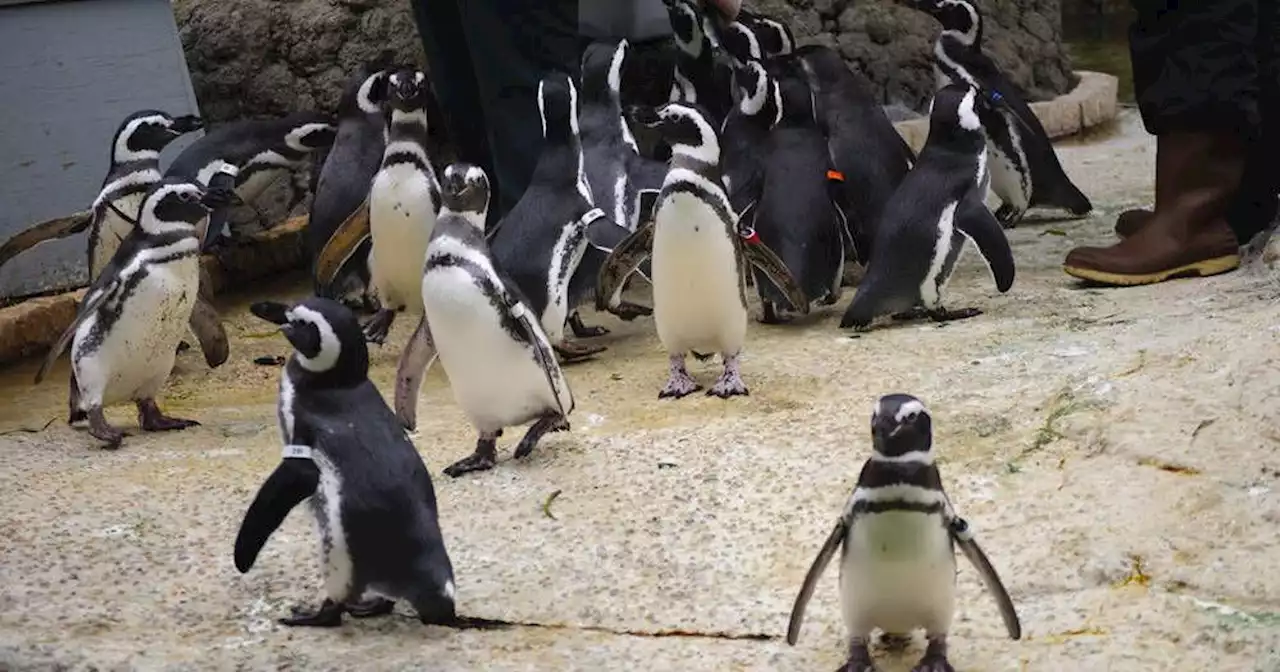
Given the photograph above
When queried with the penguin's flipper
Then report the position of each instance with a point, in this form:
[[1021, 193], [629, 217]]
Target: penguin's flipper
[[963, 537], [775, 270], [829, 548], [206, 324], [294, 480], [625, 258], [975, 221], [840, 203], [342, 245], [49, 230], [102, 289], [646, 203], [527, 323], [418, 356]]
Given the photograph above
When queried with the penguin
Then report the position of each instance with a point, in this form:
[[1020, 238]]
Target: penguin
[[699, 254], [403, 202], [337, 231], [699, 77], [740, 43], [793, 212], [546, 240], [869, 157], [345, 450], [897, 537], [1025, 171], [125, 334], [616, 172], [757, 108], [499, 361], [774, 36], [263, 150], [925, 223]]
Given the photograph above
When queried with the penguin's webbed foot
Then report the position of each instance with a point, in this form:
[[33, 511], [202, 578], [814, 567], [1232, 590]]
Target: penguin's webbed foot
[[679, 382], [484, 458], [544, 425], [702, 357], [935, 656], [859, 659], [183, 346], [730, 383], [917, 313], [945, 315], [772, 315], [378, 326], [581, 330], [374, 606], [572, 353], [152, 419], [628, 311], [101, 430], [329, 615], [1008, 216]]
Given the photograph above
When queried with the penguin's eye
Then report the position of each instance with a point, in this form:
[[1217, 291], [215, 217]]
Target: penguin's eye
[[185, 196], [911, 417]]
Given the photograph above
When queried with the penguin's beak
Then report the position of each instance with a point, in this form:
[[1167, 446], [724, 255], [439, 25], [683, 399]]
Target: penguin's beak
[[186, 124], [644, 115], [271, 311]]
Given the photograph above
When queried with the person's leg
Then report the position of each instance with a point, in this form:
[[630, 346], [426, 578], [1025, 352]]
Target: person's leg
[[1255, 208], [1200, 100], [453, 77], [513, 44]]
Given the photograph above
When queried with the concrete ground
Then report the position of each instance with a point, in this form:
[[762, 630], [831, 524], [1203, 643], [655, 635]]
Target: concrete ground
[[1115, 451]]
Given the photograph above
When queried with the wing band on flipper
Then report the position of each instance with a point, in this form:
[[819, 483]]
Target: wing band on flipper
[[963, 537], [979, 225], [546, 358], [829, 548], [625, 258], [418, 356], [342, 245], [293, 481], [49, 230]]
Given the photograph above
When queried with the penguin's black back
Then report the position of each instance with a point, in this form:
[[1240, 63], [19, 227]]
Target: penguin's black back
[[236, 142]]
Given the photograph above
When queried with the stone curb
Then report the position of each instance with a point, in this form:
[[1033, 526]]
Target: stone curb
[[1091, 103], [30, 328]]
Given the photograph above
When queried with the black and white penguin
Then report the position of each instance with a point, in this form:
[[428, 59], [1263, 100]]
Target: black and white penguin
[[262, 150], [403, 202], [699, 77], [757, 108], [616, 172], [925, 223], [700, 254], [337, 231], [793, 212], [740, 43], [774, 36], [125, 335], [545, 241], [1025, 171], [499, 361], [370, 493], [870, 158], [897, 537]]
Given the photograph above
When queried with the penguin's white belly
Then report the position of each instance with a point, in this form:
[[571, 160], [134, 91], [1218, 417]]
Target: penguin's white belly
[[326, 504], [137, 352], [697, 302], [1007, 180], [401, 218], [112, 232], [495, 379], [898, 574]]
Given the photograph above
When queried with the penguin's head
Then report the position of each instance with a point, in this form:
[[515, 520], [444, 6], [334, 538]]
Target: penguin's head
[[365, 95], [751, 86], [310, 131], [326, 337], [465, 190], [959, 18], [558, 106], [958, 108], [900, 424], [687, 26], [741, 42], [685, 126], [145, 132], [176, 204], [407, 90]]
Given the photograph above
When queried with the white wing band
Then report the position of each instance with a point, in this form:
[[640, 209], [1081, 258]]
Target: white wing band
[[294, 450], [592, 215]]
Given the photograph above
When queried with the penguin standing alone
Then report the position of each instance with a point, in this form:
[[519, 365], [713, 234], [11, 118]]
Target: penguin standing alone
[[371, 495], [927, 220], [499, 362], [1025, 171], [897, 537], [698, 250], [403, 202], [125, 335]]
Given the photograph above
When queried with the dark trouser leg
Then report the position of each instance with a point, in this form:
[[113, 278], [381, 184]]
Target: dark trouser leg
[[453, 76], [1255, 207], [513, 44]]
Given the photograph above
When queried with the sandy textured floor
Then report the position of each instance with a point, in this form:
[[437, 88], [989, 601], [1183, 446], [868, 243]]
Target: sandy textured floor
[[1116, 452]]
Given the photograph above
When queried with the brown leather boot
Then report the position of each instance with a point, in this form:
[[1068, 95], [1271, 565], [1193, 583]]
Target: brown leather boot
[[1129, 221], [1197, 175]]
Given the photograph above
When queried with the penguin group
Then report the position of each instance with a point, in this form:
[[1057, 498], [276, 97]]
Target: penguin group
[[768, 169]]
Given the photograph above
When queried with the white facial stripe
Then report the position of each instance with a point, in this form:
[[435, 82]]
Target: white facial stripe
[[900, 492], [294, 138], [573, 107], [907, 409], [330, 346], [753, 43], [753, 102], [917, 456], [542, 109], [968, 115], [970, 35], [615, 69], [362, 96], [709, 149], [952, 67], [694, 47], [146, 176], [682, 89], [941, 248], [122, 153], [776, 89]]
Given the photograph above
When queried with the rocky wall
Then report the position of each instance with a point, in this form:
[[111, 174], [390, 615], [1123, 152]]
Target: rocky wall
[[266, 57]]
